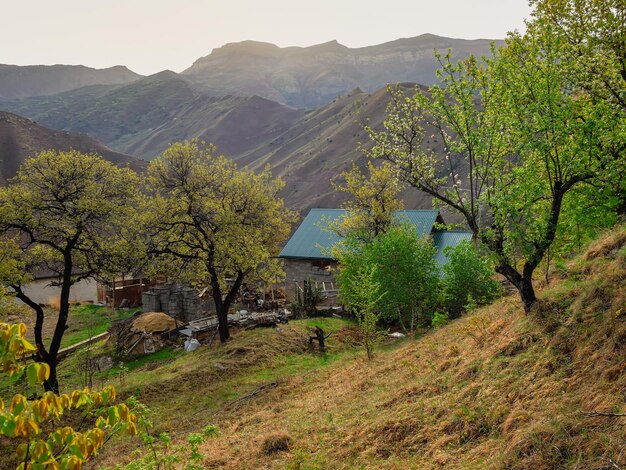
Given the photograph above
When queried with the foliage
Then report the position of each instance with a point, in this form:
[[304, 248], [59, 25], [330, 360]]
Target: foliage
[[365, 297], [307, 299], [62, 447], [468, 278], [162, 453], [373, 204], [207, 219], [405, 270], [68, 213], [439, 319], [518, 140], [591, 34]]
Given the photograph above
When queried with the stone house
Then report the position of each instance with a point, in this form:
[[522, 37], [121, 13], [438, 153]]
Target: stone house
[[306, 254]]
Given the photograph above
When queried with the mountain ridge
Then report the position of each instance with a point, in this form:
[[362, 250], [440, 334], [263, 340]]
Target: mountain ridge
[[21, 138], [17, 81], [312, 76]]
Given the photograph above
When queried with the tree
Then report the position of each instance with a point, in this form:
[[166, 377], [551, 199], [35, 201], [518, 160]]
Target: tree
[[517, 140], [373, 202], [593, 33], [65, 211], [468, 278], [403, 267], [63, 446], [592, 37], [214, 221], [363, 296]]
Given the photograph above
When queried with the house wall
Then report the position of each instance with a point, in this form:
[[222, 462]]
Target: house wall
[[41, 292], [299, 270]]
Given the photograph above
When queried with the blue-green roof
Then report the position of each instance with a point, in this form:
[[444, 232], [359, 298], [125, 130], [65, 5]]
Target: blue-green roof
[[312, 236], [444, 239]]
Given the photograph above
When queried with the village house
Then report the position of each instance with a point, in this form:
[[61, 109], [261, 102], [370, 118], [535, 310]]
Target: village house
[[43, 289], [306, 254]]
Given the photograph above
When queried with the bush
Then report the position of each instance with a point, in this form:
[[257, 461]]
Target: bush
[[468, 279], [439, 319], [307, 299], [405, 270]]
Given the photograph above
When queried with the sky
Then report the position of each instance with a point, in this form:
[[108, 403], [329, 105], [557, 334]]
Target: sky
[[149, 36]]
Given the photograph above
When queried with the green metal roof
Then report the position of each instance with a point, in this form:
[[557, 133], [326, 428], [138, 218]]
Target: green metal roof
[[312, 235], [444, 239]]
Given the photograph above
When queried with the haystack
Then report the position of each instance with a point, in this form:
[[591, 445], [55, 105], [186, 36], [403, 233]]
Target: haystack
[[143, 334], [153, 322]]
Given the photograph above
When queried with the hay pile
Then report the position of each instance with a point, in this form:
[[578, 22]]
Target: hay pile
[[143, 334]]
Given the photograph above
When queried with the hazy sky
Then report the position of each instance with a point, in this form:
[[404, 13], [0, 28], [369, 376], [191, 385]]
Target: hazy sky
[[152, 35]]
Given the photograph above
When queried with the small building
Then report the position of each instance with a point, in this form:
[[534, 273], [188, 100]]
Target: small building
[[124, 291], [43, 289], [306, 254]]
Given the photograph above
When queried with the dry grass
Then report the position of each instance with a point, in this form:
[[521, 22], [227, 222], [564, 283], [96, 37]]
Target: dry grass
[[497, 389]]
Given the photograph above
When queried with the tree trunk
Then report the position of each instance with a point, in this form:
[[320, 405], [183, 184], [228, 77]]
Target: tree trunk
[[223, 304], [222, 323], [527, 294], [52, 384], [523, 284], [42, 355]]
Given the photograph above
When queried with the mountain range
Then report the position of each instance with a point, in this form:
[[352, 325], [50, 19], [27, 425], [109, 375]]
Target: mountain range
[[39, 80], [234, 99]]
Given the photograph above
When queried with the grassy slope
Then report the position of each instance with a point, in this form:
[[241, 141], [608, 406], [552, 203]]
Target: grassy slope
[[496, 389]]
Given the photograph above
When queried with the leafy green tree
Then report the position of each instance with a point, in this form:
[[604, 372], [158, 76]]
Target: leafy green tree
[[405, 271], [515, 145], [592, 37], [468, 277], [208, 220], [363, 296], [35, 423], [65, 212]]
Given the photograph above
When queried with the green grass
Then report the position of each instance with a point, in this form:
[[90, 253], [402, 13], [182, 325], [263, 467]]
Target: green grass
[[87, 321]]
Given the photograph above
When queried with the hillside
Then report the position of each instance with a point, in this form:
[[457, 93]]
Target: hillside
[[324, 143], [38, 80], [144, 117], [307, 150], [494, 389], [21, 138], [310, 77]]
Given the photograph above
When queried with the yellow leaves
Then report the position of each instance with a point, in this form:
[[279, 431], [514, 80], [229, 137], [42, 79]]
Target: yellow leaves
[[23, 417], [13, 346], [374, 200], [37, 373], [18, 404]]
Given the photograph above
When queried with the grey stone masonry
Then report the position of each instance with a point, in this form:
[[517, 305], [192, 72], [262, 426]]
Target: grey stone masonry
[[177, 300], [299, 270]]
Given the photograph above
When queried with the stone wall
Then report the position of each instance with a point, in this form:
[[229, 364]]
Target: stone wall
[[178, 301], [297, 271]]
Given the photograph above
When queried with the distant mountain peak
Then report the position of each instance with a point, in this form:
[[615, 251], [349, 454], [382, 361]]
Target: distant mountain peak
[[310, 77]]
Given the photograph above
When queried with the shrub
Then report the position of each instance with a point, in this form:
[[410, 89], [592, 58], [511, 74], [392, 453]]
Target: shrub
[[468, 279], [307, 299], [439, 319], [404, 268]]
